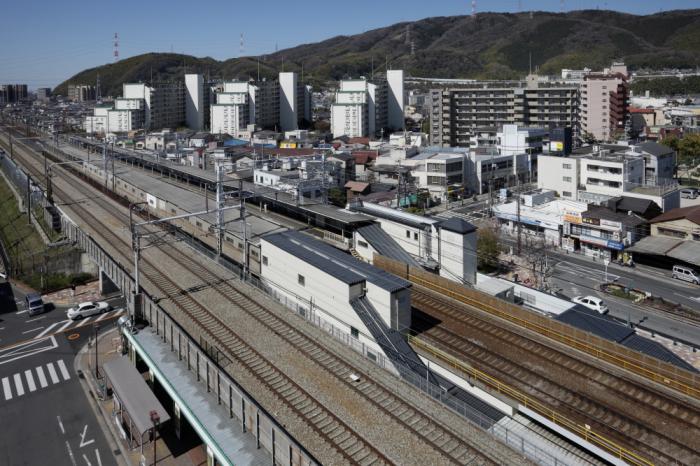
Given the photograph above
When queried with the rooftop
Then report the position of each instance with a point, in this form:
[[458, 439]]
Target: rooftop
[[398, 216], [333, 261], [692, 214]]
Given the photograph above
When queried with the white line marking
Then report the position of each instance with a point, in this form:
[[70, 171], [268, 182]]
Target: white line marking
[[38, 318], [21, 312], [60, 425], [87, 460], [64, 371], [32, 330], [63, 327], [52, 373], [70, 453], [41, 376], [26, 349], [83, 443], [18, 384], [47, 329], [6, 388], [97, 455], [30, 380], [103, 316], [85, 321]]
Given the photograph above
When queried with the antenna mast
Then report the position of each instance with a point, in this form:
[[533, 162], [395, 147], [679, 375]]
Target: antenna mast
[[473, 8], [241, 50], [116, 47]]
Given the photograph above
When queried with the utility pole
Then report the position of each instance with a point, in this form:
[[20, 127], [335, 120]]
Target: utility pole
[[104, 162], [220, 207], [97, 368], [517, 200], [29, 200]]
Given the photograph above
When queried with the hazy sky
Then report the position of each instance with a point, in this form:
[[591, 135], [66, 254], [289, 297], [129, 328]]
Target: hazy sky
[[46, 42]]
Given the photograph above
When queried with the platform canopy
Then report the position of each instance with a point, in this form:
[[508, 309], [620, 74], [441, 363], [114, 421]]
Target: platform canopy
[[134, 394]]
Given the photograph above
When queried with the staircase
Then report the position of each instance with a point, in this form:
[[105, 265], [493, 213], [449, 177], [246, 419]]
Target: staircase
[[394, 344], [356, 254]]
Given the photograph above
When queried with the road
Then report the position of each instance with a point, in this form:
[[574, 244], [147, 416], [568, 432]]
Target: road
[[47, 417]]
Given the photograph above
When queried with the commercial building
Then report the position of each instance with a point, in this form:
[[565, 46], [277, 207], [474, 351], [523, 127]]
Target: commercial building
[[196, 102], [13, 93], [604, 103], [598, 173], [459, 114], [81, 92], [367, 109]]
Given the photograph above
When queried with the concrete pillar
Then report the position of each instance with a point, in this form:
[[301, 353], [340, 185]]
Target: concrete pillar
[[107, 286]]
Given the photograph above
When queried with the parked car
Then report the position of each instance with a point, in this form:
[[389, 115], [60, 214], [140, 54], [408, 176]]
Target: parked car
[[689, 193], [686, 274], [592, 302], [86, 309], [35, 305]]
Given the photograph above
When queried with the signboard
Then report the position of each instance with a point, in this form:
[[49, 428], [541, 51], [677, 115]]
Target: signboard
[[610, 224], [528, 221], [572, 218], [591, 221], [606, 243]]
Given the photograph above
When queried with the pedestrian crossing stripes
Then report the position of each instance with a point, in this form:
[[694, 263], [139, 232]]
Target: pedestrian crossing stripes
[[17, 385], [66, 325]]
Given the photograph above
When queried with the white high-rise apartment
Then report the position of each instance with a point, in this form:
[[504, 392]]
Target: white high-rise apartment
[[366, 109], [234, 109], [604, 103], [289, 111], [194, 101]]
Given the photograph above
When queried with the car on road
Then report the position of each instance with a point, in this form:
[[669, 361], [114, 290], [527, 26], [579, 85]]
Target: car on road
[[591, 302], [686, 274], [689, 193], [35, 305], [87, 309]]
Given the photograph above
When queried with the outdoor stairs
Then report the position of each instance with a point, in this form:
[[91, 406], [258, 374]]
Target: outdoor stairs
[[394, 344], [356, 254]]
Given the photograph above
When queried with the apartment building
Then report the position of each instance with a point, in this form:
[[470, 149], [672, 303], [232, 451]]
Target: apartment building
[[604, 103], [364, 108], [460, 114], [81, 92], [164, 103]]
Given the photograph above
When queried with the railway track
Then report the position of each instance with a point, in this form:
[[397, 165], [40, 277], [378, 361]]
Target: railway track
[[657, 427], [336, 434]]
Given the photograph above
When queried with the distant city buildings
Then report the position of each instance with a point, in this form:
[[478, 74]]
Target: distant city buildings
[[43, 94], [81, 92], [13, 93], [364, 108]]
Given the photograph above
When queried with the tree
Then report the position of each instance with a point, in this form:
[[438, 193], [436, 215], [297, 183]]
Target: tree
[[689, 150], [488, 248], [337, 196]]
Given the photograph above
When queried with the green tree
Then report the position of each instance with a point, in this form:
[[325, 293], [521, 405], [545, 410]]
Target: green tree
[[488, 247], [689, 150], [337, 196]]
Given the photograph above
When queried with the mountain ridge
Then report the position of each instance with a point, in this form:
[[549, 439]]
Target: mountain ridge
[[490, 46]]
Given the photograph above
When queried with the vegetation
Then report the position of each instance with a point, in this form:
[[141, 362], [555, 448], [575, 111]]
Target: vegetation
[[338, 197], [687, 148], [488, 247], [453, 46], [660, 87]]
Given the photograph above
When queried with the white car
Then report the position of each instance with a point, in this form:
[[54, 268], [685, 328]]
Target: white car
[[591, 302], [87, 309]]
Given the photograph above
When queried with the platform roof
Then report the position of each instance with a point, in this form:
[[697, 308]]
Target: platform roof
[[136, 397], [334, 261]]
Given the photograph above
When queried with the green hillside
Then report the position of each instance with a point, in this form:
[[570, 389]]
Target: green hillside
[[491, 45]]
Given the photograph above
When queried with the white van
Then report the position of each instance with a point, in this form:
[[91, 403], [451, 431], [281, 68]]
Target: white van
[[689, 193], [685, 274]]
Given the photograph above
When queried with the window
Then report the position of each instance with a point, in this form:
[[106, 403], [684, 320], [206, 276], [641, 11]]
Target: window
[[362, 244], [301, 280], [354, 332], [566, 166], [566, 179], [415, 236], [566, 193], [229, 239], [199, 224], [408, 234], [670, 232]]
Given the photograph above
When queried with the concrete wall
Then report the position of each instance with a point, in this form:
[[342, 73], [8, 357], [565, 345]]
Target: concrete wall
[[559, 174], [194, 101], [395, 99], [288, 101], [458, 256]]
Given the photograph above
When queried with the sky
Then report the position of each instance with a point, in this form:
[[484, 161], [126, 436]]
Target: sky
[[48, 41]]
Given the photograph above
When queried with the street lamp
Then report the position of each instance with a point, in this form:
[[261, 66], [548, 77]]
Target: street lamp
[[97, 369]]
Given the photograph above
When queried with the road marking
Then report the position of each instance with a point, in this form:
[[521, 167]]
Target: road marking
[[18, 384], [83, 443], [42, 377], [63, 327], [64, 371], [21, 312], [6, 388], [34, 320], [52, 373], [26, 349], [30, 380], [84, 322], [60, 425], [32, 330], [87, 460], [70, 453], [47, 329], [97, 455], [106, 314]]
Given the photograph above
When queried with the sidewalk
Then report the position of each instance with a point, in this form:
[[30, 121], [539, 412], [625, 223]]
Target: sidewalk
[[108, 349], [88, 292]]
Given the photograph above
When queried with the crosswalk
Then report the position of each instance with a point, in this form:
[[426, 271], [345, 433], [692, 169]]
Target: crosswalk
[[470, 216], [67, 325], [31, 380]]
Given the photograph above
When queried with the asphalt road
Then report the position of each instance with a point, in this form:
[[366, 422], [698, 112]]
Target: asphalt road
[[47, 418]]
